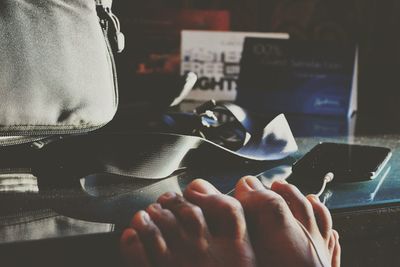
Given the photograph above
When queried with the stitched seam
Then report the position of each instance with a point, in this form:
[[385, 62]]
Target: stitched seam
[[43, 125], [19, 223]]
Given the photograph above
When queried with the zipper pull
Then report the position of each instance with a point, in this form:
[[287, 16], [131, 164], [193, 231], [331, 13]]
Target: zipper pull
[[119, 37], [120, 42], [111, 24], [44, 142]]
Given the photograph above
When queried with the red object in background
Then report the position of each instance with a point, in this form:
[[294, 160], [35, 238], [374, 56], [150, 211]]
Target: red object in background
[[204, 20], [153, 35], [174, 20]]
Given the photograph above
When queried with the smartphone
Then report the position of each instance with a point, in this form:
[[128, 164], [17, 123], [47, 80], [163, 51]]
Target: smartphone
[[348, 162]]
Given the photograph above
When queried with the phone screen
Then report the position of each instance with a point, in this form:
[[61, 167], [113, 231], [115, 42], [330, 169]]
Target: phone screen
[[348, 162]]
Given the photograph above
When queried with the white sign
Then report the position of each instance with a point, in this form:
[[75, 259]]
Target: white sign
[[215, 57]]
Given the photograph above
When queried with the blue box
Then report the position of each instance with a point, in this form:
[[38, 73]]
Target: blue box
[[297, 76]]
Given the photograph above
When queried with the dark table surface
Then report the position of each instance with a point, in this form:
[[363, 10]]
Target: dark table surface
[[74, 210]]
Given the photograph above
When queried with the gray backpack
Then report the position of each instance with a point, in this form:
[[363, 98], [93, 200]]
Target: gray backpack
[[57, 71]]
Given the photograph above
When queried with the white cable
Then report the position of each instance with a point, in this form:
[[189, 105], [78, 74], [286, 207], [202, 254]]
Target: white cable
[[327, 179]]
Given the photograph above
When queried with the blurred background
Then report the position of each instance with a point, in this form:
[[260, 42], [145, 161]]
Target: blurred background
[[373, 24]]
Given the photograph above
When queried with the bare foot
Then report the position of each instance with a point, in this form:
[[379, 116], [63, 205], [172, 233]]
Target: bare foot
[[285, 227], [175, 232]]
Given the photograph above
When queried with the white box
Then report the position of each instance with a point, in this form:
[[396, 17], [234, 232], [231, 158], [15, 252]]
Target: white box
[[215, 57]]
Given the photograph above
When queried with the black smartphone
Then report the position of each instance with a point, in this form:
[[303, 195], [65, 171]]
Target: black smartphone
[[348, 162]]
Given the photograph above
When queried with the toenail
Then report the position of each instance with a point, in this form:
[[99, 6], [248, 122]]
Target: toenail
[[336, 234], [155, 207], [203, 187], [130, 237], [168, 195], [145, 218], [253, 183], [315, 197]]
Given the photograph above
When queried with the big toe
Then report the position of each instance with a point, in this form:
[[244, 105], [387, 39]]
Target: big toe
[[224, 214], [261, 204], [200, 187], [262, 207]]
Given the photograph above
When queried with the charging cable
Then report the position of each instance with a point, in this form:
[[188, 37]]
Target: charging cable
[[327, 179]]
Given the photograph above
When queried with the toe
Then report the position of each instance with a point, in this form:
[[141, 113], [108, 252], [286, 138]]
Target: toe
[[272, 227], [260, 203], [336, 251], [189, 236], [224, 214], [279, 221], [151, 237], [225, 217], [331, 243], [322, 215], [247, 185], [298, 204], [201, 187], [190, 217], [229, 241], [132, 249], [167, 223]]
